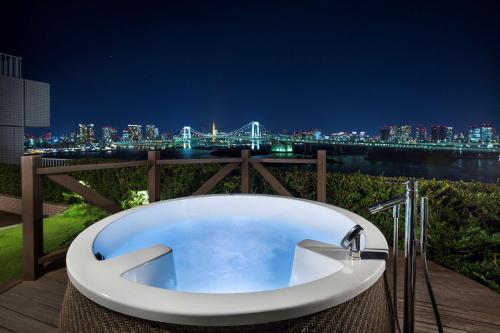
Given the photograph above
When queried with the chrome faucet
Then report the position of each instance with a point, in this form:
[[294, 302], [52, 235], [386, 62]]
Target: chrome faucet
[[386, 204], [352, 241]]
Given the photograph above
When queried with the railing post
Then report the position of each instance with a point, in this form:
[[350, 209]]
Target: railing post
[[32, 208], [154, 177], [245, 175], [321, 177]]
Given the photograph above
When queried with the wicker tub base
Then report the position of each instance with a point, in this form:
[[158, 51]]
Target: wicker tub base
[[368, 312]]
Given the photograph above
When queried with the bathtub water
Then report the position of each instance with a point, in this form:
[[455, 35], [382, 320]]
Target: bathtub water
[[227, 254]]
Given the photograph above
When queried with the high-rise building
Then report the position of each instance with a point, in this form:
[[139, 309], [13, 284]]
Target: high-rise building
[[23, 103], [87, 134], [385, 134], [152, 133], [399, 133], [125, 135], [474, 134], [438, 133], [73, 137], [448, 136], [487, 133], [403, 133], [421, 133], [109, 135], [134, 133]]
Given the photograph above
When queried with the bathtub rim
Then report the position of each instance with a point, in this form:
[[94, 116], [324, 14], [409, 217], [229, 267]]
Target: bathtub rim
[[205, 309]]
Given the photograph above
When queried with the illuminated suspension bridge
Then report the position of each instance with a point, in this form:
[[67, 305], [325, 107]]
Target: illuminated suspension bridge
[[252, 133]]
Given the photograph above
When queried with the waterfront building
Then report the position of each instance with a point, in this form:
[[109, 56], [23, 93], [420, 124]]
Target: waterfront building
[[474, 134], [460, 137], [403, 133], [152, 133], [125, 135], [109, 135], [340, 136], [134, 133], [438, 133], [23, 103], [487, 133], [385, 134], [448, 137], [421, 134], [87, 134], [396, 133]]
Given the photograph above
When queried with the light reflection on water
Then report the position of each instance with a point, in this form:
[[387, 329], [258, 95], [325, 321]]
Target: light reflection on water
[[233, 254]]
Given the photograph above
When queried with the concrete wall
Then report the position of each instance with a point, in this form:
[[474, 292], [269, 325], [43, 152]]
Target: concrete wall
[[13, 205]]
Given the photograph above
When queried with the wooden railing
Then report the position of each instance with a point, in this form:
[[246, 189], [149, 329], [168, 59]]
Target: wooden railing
[[32, 197]]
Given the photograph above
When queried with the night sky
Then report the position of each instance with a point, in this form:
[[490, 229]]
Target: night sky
[[287, 64]]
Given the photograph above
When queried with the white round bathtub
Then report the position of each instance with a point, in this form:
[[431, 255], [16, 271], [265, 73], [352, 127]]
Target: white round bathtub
[[221, 260]]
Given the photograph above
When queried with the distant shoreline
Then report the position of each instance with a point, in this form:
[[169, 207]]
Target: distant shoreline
[[466, 169]]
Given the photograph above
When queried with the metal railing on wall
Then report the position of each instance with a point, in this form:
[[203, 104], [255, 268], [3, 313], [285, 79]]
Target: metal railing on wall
[[33, 170], [53, 162]]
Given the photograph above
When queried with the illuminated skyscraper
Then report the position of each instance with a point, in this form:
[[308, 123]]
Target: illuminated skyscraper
[[134, 133], [404, 133], [125, 135], [108, 135], [152, 133], [421, 133], [399, 133], [448, 136], [87, 134], [474, 134], [487, 133]]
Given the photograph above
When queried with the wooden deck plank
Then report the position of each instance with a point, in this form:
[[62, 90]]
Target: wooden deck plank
[[4, 330], [31, 308], [465, 305], [17, 322]]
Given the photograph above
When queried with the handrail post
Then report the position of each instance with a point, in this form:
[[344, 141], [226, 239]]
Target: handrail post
[[154, 177], [245, 175], [321, 177], [32, 209]]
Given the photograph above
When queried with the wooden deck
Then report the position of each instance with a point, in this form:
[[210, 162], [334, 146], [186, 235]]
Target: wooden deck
[[465, 305]]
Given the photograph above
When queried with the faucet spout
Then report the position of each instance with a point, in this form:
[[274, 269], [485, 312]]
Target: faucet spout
[[352, 241], [386, 204]]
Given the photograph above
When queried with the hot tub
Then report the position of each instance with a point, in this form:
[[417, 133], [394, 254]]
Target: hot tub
[[219, 263]]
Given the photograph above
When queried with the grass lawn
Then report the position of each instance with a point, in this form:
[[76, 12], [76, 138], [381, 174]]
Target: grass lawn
[[56, 230]]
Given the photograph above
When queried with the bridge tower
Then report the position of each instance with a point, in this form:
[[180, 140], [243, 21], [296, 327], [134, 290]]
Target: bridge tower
[[186, 133], [214, 132], [255, 130]]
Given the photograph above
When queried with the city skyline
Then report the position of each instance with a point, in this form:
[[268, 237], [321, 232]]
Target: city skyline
[[290, 66], [163, 130]]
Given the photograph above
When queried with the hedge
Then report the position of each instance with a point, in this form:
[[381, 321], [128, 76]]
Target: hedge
[[464, 230]]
